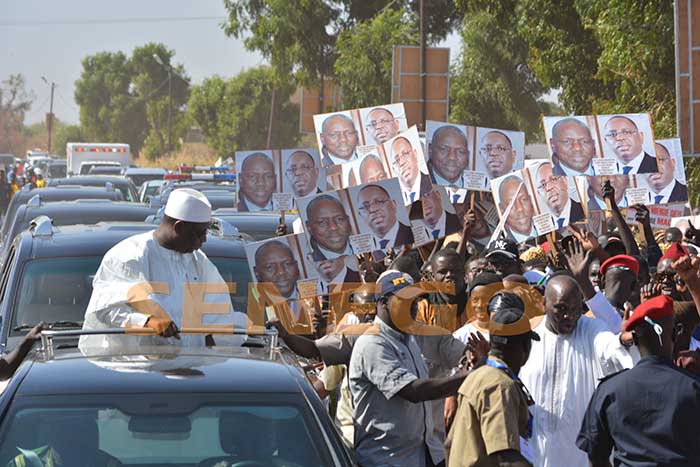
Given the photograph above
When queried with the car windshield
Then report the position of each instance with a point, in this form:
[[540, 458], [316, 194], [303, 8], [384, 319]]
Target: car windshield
[[53, 289], [141, 179], [59, 289], [163, 430], [56, 171]]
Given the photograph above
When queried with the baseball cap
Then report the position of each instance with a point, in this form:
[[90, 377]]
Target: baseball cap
[[390, 282], [503, 247], [508, 319]]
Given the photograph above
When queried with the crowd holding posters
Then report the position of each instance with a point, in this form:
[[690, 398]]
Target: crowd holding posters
[[257, 180], [591, 190], [406, 161]]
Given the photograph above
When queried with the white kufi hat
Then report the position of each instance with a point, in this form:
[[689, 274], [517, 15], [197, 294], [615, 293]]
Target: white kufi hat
[[188, 205]]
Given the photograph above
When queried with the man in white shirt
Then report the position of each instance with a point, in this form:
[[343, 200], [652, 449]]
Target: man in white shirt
[[404, 159], [554, 191], [257, 183], [573, 148], [378, 211], [573, 353], [449, 155], [519, 223], [126, 290], [664, 188], [624, 138], [339, 139]]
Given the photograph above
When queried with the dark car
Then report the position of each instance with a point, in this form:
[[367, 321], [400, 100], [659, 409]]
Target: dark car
[[55, 193], [83, 211], [122, 184], [140, 175], [167, 406], [106, 170], [55, 169], [48, 272]]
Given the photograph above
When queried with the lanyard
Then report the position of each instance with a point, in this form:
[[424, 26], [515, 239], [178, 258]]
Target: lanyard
[[530, 401]]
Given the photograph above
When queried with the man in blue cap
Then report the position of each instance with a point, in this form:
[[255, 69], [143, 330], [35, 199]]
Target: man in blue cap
[[391, 388]]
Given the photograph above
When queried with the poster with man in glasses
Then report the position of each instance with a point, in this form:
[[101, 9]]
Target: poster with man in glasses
[[628, 139], [381, 215], [497, 153], [303, 174], [555, 195], [257, 180], [405, 160], [382, 123]]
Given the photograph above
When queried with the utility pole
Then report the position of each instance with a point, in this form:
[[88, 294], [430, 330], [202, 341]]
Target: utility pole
[[170, 99], [49, 123], [422, 63]]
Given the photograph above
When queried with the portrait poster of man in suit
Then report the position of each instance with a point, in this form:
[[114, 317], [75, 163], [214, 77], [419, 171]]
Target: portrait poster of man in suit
[[573, 145], [302, 172], [669, 185], [448, 153], [278, 264], [406, 161], [439, 215], [498, 153], [592, 190], [382, 123], [338, 136], [380, 212], [328, 224], [556, 195], [510, 191], [257, 180], [630, 140]]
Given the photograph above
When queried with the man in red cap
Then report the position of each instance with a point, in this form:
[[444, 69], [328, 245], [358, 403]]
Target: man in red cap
[[619, 281], [645, 414]]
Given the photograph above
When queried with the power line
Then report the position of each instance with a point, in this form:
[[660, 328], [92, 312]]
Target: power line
[[74, 22], [64, 100], [39, 108]]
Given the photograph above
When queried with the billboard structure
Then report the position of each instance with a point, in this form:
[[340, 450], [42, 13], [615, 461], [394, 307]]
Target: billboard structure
[[408, 87], [687, 32]]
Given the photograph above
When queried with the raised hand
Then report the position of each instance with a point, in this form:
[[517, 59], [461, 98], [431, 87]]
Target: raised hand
[[650, 290], [626, 337], [641, 215], [478, 348], [587, 238], [687, 268]]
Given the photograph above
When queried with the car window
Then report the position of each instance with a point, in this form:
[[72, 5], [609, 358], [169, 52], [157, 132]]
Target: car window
[[53, 289], [141, 179], [112, 434], [235, 271], [56, 171]]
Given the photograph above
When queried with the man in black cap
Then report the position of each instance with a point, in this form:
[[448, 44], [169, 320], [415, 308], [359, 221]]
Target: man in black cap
[[647, 415], [503, 257], [493, 424]]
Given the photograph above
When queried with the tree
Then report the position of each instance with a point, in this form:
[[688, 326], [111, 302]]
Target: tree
[[491, 84], [15, 102], [109, 111], [68, 134], [363, 66], [125, 99], [300, 37], [234, 114]]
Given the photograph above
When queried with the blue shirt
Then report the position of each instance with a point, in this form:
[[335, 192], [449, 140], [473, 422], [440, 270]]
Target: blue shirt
[[648, 415]]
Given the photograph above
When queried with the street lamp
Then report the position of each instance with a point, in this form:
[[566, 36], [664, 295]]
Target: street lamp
[[49, 124], [160, 62]]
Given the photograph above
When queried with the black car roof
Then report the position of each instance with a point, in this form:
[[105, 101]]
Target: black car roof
[[95, 240], [67, 192], [226, 370], [82, 211], [91, 180]]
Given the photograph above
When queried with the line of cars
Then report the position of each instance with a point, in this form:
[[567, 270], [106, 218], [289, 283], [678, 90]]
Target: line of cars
[[244, 407]]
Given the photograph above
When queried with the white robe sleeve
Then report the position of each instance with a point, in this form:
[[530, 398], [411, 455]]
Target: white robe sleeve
[[605, 312], [612, 355]]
